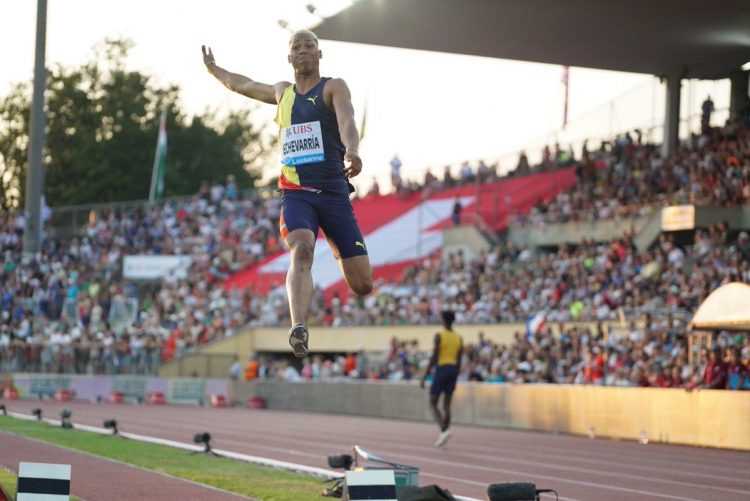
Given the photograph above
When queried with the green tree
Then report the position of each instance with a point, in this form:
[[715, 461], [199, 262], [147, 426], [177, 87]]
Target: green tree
[[102, 124], [15, 110]]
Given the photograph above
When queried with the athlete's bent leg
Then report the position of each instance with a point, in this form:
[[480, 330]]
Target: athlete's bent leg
[[357, 273]]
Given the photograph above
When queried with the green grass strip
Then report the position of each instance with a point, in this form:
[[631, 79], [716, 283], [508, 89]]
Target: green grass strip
[[251, 480], [8, 482]]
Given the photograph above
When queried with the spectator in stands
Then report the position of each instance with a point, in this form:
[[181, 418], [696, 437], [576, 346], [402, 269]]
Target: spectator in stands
[[448, 180], [715, 372], [362, 363], [252, 368], [706, 109], [235, 369], [738, 373], [483, 172], [523, 164], [374, 189], [456, 213], [230, 190], [396, 173], [466, 174]]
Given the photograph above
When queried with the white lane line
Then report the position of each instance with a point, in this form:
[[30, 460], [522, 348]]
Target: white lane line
[[513, 472]]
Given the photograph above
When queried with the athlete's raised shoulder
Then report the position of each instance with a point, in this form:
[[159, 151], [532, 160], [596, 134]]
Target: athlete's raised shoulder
[[335, 87], [279, 88]]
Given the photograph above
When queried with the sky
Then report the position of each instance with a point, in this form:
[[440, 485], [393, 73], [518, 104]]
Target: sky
[[431, 109]]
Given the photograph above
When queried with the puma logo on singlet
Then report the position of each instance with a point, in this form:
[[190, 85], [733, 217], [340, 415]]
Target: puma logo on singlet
[[356, 243], [312, 99]]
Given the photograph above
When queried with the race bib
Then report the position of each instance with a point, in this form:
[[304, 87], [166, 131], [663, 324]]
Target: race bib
[[302, 144]]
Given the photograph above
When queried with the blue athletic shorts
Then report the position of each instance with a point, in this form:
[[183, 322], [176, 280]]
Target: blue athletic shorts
[[330, 212], [444, 380]]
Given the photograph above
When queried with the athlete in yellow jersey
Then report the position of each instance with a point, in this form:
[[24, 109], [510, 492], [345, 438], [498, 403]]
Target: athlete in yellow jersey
[[446, 359]]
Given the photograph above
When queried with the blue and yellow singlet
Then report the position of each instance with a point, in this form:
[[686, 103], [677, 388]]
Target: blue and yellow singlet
[[450, 345], [312, 154]]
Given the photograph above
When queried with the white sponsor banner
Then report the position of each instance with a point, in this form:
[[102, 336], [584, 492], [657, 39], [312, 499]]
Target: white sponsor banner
[[302, 144], [678, 217], [154, 267]]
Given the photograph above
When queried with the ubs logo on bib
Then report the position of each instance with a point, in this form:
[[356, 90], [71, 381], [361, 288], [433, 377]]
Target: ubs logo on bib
[[300, 129]]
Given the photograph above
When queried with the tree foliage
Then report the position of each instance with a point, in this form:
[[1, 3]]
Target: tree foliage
[[102, 125]]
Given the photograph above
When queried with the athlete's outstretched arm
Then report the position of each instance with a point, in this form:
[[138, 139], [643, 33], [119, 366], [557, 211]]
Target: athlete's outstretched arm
[[241, 84], [342, 105]]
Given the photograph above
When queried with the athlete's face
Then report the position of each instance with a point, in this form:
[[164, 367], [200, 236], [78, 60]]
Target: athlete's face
[[304, 53]]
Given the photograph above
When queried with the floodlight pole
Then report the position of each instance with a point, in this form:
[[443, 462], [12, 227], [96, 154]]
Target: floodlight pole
[[672, 114], [33, 231]]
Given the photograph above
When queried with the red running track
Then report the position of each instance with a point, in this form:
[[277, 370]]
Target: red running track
[[578, 468]]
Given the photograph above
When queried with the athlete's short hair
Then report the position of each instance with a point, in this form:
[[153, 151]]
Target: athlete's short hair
[[448, 318], [304, 32]]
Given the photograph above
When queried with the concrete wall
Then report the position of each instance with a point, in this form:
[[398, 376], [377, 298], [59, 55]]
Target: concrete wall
[[555, 234], [372, 338], [214, 360], [204, 365], [647, 228], [710, 418], [466, 238]]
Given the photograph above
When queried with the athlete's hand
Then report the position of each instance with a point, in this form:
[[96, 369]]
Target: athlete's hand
[[352, 164], [208, 57]]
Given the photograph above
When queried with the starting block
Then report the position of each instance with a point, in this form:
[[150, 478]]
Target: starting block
[[43, 482]]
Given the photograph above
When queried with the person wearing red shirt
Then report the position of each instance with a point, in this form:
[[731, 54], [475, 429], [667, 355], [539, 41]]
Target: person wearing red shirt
[[350, 363], [715, 375]]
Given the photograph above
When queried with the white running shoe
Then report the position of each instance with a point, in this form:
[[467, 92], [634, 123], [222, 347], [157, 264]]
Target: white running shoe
[[443, 438]]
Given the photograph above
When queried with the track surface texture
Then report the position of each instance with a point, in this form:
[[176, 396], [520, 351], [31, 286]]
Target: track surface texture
[[578, 468]]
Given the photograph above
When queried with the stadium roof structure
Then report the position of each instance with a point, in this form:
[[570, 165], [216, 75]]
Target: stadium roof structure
[[726, 308], [683, 38]]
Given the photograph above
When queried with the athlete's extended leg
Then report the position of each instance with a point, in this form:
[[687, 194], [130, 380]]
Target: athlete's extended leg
[[299, 286], [435, 411], [445, 420], [446, 423]]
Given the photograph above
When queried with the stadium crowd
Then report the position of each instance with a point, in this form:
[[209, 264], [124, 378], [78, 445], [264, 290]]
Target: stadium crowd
[[68, 309], [592, 281], [630, 178], [654, 355]]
